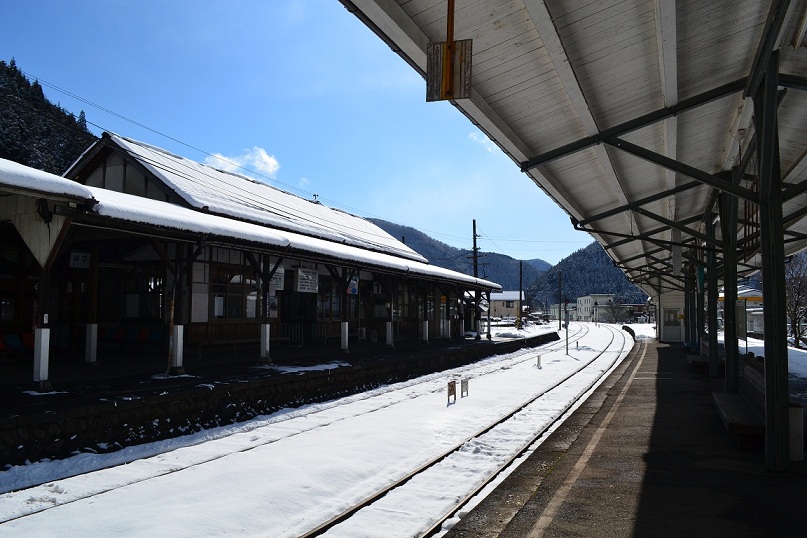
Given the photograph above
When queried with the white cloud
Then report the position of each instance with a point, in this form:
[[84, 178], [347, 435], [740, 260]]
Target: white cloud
[[480, 138], [253, 161], [304, 181]]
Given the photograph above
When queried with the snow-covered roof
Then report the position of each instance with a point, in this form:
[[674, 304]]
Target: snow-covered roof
[[745, 292], [506, 296], [243, 198], [17, 177], [134, 209]]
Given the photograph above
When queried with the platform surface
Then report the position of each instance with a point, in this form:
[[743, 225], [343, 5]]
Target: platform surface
[[646, 455]]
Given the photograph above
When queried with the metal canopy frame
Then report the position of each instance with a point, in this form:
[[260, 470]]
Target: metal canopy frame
[[637, 123], [544, 98]]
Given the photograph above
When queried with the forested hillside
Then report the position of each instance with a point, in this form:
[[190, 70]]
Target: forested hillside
[[498, 268], [33, 131], [586, 271]]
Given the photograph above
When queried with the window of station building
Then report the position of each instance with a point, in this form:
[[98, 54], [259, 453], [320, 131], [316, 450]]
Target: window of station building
[[233, 290], [144, 289], [6, 309], [671, 317], [409, 304], [329, 300]]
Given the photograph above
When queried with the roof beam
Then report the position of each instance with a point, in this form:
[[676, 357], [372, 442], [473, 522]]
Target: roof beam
[[662, 229], [657, 287], [557, 54], [676, 226], [770, 38], [691, 171], [647, 237], [667, 44], [641, 202], [793, 81], [636, 123]]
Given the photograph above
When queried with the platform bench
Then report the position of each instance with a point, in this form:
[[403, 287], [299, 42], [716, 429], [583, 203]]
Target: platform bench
[[744, 413]]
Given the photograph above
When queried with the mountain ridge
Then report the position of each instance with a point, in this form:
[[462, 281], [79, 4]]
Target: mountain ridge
[[585, 271]]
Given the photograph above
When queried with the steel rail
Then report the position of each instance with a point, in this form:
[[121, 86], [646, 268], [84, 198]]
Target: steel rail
[[349, 512]]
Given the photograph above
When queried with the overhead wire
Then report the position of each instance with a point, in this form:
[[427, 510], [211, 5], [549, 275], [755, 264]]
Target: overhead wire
[[240, 196], [174, 139], [244, 197]]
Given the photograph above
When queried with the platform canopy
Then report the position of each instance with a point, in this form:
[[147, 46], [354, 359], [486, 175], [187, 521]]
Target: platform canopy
[[630, 114]]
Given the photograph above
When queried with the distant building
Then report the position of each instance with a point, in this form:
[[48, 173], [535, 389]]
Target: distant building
[[506, 304], [749, 308], [555, 312], [594, 305]]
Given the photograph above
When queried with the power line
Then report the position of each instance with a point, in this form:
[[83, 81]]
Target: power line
[[251, 171]]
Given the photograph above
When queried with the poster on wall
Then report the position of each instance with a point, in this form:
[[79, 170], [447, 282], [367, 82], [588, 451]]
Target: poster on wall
[[307, 280], [353, 286], [278, 279]]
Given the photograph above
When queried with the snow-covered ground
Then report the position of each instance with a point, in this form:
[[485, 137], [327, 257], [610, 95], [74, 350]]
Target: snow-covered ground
[[278, 475]]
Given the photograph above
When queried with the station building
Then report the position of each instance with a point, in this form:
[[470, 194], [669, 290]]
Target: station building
[[137, 245]]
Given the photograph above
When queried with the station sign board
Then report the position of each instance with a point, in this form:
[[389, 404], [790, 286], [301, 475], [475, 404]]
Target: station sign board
[[307, 280]]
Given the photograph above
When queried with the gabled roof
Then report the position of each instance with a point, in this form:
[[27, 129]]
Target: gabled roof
[[119, 210], [506, 296], [239, 197]]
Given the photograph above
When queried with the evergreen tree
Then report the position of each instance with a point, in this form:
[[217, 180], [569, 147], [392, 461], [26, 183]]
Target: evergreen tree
[[34, 131]]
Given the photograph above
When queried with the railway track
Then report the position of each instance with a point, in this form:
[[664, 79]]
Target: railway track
[[254, 436], [343, 523]]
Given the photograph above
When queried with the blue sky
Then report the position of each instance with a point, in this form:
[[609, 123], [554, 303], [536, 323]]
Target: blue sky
[[298, 91]]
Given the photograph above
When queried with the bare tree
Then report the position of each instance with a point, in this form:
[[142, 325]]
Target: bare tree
[[615, 312], [796, 294]]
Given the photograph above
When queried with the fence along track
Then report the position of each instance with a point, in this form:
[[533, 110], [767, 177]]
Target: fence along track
[[434, 528]]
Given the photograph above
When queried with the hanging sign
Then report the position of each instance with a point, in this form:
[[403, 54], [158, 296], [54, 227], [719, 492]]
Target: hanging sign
[[353, 286], [307, 280], [448, 70]]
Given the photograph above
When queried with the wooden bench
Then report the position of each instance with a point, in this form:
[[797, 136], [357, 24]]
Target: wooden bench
[[744, 413]]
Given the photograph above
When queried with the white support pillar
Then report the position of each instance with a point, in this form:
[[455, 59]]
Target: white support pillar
[[41, 355], [345, 326], [179, 346], [426, 331], [266, 333], [390, 342], [91, 343]]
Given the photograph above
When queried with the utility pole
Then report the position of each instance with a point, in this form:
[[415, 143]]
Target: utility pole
[[520, 306], [476, 296], [560, 299]]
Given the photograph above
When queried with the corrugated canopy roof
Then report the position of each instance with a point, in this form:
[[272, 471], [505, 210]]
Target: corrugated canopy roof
[[627, 113]]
